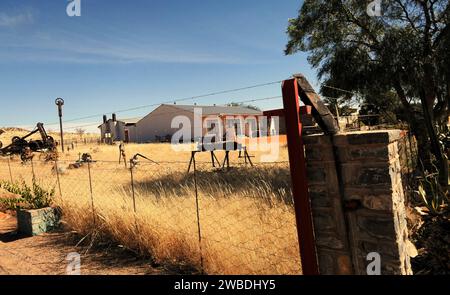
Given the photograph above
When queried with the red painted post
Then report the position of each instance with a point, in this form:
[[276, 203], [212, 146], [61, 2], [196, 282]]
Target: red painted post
[[297, 163]]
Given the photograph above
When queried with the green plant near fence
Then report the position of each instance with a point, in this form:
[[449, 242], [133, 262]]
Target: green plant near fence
[[29, 197], [434, 196]]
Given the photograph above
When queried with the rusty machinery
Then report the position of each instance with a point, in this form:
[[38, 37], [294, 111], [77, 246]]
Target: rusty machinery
[[122, 154], [23, 147], [134, 161], [84, 158]]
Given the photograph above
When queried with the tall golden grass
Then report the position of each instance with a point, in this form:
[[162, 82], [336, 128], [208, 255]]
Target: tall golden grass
[[246, 217]]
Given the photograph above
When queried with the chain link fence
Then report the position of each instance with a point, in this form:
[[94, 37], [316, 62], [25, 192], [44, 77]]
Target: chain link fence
[[237, 220]]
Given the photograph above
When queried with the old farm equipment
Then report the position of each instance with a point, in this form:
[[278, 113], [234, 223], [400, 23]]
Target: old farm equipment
[[23, 147], [134, 161], [225, 146]]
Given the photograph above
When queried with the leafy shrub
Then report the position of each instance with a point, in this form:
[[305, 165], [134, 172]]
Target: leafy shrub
[[34, 197]]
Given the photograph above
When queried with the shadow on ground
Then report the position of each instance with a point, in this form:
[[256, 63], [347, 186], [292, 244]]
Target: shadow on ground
[[47, 253]]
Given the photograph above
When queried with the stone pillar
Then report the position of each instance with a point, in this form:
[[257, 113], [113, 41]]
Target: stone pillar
[[357, 200]]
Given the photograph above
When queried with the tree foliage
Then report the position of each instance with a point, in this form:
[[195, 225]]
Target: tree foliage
[[401, 58]]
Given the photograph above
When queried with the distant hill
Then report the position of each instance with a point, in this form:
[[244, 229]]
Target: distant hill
[[7, 133], [13, 129]]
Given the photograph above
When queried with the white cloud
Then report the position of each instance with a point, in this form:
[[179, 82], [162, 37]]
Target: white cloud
[[14, 20], [67, 46]]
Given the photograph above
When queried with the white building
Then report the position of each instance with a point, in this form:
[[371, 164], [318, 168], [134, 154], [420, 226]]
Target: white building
[[157, 125]]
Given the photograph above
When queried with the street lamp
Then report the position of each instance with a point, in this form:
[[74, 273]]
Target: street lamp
[[60, 102]]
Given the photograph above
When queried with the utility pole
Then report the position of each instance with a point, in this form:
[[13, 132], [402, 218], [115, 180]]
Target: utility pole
[[60, 102]]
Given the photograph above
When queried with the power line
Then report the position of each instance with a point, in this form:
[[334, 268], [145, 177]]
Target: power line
[[177, 111], [171, 101], [258, 99], [350, 103], [339, 89]]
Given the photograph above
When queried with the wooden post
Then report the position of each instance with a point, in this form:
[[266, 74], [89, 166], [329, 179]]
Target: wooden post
[[91, 193]]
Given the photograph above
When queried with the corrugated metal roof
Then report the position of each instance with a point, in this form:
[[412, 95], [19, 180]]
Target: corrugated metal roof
[[218, 110], [206, 111], [131, 120]]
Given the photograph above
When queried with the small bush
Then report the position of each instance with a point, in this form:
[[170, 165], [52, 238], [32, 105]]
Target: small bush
[[34, 197]]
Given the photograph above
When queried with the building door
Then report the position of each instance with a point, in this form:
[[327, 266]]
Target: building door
[[127, 136]]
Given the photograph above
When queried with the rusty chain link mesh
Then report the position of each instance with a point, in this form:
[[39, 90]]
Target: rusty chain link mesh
[[245, 222]]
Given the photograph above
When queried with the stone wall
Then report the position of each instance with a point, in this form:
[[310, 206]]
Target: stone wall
[[357, 198]]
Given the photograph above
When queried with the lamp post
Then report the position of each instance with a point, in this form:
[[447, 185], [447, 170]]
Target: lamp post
[[60, 102]]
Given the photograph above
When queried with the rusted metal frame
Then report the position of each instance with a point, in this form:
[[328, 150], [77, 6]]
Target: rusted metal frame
[[304, 110], [247, 157], [302, 205], [331, 130], [330, 127], [226, 159], [214, 159]]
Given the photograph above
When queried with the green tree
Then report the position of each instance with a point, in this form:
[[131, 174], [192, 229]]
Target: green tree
[[404, 51], [341, 104]]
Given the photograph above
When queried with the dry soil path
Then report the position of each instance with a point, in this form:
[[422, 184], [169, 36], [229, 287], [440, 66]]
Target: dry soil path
[[46, 254]]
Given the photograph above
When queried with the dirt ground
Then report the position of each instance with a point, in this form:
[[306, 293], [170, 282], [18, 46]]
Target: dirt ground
[[46, 255]]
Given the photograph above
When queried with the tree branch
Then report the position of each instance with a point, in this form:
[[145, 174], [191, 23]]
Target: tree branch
[[399, 2], [401, 94], [441, 109], [441, 36], [427, 27], [352, 19]]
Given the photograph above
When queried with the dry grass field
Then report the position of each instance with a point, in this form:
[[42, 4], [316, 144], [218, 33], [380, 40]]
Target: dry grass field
[[246, 218]]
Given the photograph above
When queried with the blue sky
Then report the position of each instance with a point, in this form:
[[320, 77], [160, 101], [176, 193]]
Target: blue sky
[[122, 54]]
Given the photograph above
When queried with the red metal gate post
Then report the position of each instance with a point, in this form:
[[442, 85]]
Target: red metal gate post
[[297, 163]]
